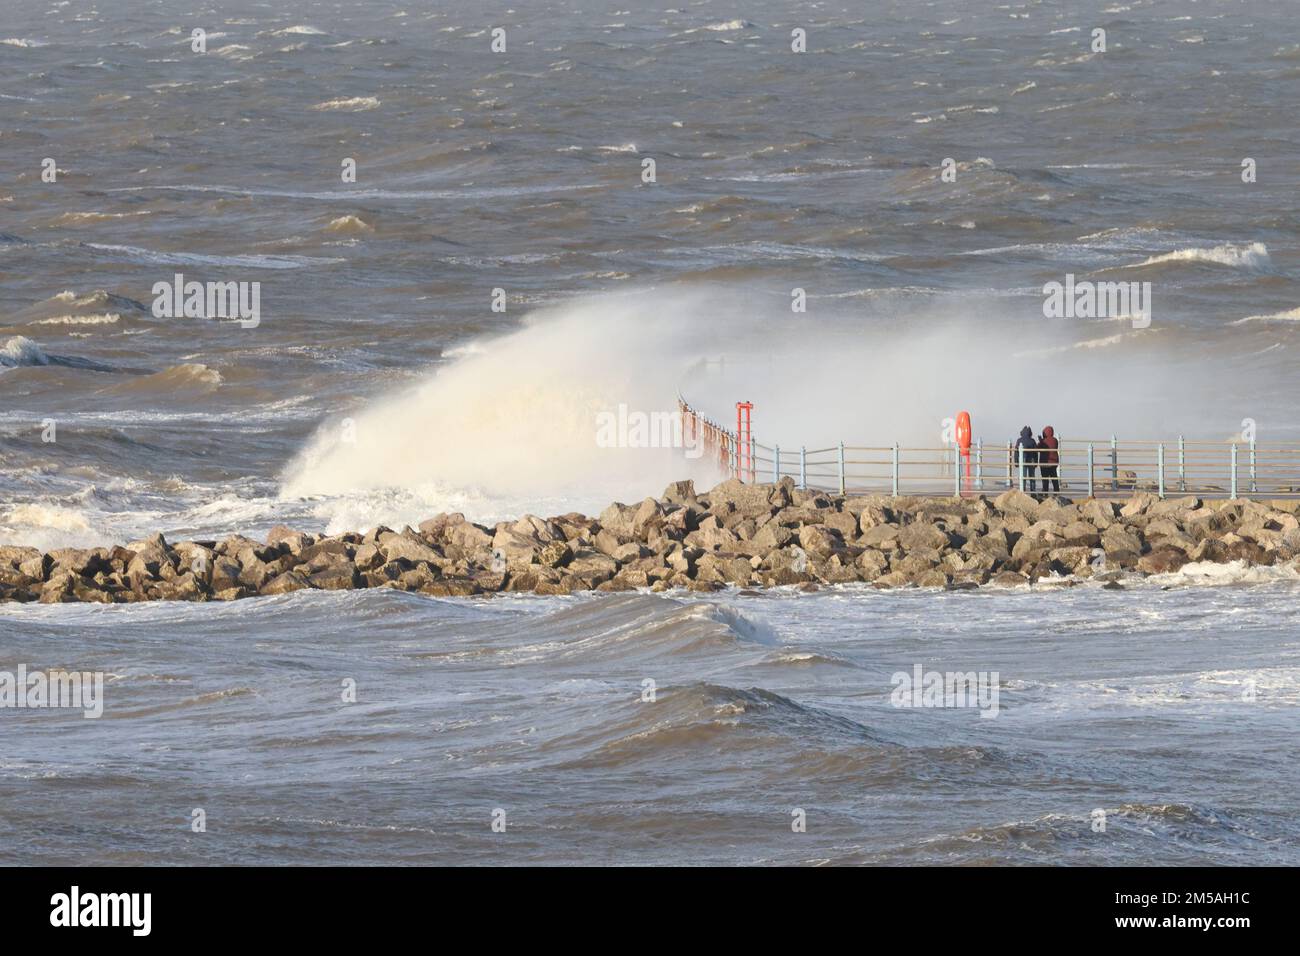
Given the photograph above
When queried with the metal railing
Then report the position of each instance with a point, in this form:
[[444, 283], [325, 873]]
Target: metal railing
[[1109, 467]]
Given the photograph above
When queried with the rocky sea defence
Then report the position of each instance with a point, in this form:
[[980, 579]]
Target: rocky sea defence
[[744, 535]]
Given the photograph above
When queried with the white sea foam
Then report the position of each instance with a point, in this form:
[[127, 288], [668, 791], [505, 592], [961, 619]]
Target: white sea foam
[[19, 351], [729, 25], [1253, 256], [106, 318], [1289, 315], [1208, 573], [353, 103], [200, 259]]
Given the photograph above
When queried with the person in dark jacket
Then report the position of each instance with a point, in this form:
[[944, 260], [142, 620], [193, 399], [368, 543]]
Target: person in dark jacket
[[1049, 459], [1026, 453]]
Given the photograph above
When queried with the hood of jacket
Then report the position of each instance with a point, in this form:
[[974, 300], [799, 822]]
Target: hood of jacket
[[1026, 434]]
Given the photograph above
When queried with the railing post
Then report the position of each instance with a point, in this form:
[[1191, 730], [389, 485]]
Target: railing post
[[1234, 469], [1010, 481], [1090, 470], [956, 471], [841, 467], [1114, 464], [894, 470], [1253, 487], [1160, 469], [803, 467], [753, 463], [1020, 466], [1182, 464], [776, 465], [979, 463]]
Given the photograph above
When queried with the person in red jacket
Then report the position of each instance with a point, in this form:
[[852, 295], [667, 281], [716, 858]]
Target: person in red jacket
[[1049, 459]]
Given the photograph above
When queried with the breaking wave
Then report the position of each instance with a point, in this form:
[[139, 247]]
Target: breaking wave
[[1252, 257]]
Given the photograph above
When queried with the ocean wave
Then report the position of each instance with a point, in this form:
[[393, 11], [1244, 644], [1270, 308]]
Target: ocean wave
[[1043, 834], [349, 224], [639, 627], [797, 658], [48, 517], [78, 218], [21, 351], [99, 299], [1289, 315], [103, 318], [1208, 573], [1252, 257], [236, 51], [300, 29], [200, 700], [700, 716], [187, 377], [469, 192], [353, 104], [152, 257]]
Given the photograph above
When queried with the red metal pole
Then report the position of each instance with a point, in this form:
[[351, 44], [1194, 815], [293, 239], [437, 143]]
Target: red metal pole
[[744, 451]]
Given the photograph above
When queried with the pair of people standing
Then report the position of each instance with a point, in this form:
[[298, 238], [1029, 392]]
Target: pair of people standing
[[1038, 453]]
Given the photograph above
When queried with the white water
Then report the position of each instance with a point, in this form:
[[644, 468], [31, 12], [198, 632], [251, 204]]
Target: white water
[[510, 423]]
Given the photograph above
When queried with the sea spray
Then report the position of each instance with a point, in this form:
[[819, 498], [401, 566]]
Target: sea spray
[[516, 418]]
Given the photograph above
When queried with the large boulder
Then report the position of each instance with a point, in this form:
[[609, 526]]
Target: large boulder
[[1100, 514], [413, 548], [556, 554], [844, 523], [736, 495], [712, 536], [591, 569], [1162, 560], [288, 540], [882, 536], [770, 537], [339, 576], [918, 535], [1016, 501], [619, 519], [819, 540], [465, 535], [285, 583], [1080, 534], [680, 492], [86, 563], [1117, 538], [649, 514], [1137, 504], [520, 543]]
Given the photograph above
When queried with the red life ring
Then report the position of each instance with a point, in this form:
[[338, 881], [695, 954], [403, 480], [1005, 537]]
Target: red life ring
[[963, 432]]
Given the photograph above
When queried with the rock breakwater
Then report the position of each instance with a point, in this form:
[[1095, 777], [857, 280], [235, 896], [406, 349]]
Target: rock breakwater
[[746, 535]]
